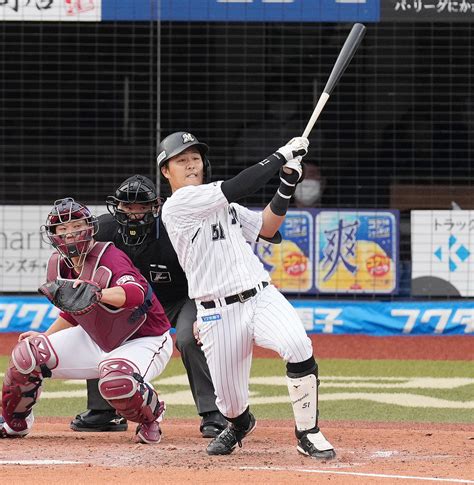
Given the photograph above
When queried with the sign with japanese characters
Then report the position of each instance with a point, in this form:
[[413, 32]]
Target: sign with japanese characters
[[51, 10], [23, 253], [19, 314], [427, 10], [291, 263], [357, 251], [442, 247]]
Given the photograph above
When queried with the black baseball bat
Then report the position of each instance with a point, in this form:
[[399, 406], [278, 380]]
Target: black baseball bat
[[343, 59]]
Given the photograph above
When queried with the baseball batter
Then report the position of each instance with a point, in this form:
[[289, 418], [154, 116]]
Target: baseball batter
[[237, 305], [122, 339]]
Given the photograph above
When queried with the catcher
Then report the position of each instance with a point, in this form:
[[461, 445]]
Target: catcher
[[111, 327]]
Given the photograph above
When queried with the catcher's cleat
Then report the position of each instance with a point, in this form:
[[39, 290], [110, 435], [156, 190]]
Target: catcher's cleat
[[212, 424], [99, 420], [314, 444], [148, 433], [226, 442], [7, 432]]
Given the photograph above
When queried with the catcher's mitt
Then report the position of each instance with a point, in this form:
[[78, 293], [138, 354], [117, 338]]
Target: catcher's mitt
[[75, 301]]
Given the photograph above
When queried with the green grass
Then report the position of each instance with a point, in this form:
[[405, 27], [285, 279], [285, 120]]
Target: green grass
[[338, 377]]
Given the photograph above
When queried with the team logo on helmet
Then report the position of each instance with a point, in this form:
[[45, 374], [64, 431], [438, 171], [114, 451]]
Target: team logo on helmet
[[187, 137]]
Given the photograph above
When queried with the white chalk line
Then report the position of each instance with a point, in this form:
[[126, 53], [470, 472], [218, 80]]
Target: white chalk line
[[357, 474], [40, 462]]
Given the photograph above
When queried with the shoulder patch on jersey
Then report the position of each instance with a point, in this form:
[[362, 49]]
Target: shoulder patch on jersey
[[212, 318], [123, 279]]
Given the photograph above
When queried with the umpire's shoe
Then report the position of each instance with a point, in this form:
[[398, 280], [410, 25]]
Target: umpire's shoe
[[212, 424], [99, 420], [225, 443], [313, 443]]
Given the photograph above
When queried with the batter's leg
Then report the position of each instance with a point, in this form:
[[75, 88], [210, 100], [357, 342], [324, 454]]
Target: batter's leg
[[278, 327], [227, 340], [198, 373]]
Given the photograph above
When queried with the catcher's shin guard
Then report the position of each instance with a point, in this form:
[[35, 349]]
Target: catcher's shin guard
[[126, 391], [32, 359]]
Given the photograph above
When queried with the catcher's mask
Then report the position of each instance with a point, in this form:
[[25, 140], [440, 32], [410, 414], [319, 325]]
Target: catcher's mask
[[135, 225], [176, 143], [79, 238]]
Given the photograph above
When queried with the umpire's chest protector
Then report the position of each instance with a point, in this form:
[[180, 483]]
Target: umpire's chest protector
[[107, 327]]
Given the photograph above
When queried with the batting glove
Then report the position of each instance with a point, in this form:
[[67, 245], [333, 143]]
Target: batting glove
[[296, 174], [295, 147]]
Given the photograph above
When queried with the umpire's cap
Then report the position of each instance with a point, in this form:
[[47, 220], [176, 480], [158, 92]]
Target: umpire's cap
[[176, 143]]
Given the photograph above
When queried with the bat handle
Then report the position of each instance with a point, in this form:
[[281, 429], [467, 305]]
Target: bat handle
[[317, 111]]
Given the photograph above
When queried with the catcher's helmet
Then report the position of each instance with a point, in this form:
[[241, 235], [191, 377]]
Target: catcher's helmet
[[77, 243], [134, 226], [176, 143]]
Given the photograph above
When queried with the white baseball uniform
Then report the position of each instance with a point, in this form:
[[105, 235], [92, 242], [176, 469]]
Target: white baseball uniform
[[211, 239]]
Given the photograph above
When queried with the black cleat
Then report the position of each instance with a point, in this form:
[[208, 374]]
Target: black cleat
[[226, 442], [314, 444], [93, 420], [212, 424]]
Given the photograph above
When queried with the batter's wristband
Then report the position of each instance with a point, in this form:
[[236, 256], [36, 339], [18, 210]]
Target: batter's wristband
[[286, 189], [280, 203]]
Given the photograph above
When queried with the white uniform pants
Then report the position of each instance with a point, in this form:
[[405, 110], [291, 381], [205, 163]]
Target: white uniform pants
[[79, 356], [229, 332]]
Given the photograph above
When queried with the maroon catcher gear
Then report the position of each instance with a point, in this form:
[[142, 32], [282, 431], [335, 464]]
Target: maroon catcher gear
[[126, 391], [64, 211], [106, 327], [32, 360]]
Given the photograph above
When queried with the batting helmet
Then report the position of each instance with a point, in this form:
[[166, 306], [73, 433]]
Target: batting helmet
[[76, 243], [134, 226], [176, 143]]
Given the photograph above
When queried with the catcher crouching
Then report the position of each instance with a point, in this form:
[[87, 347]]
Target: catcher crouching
[[111, 326]]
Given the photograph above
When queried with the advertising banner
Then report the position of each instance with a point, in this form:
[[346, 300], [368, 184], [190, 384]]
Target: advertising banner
[[191, 10], [442, 248], [51, 10], [291, 263], [19, 314], [387, 318], [427, 10], [357, 251]]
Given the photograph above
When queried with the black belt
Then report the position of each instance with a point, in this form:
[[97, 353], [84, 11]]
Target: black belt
[[244, 296]]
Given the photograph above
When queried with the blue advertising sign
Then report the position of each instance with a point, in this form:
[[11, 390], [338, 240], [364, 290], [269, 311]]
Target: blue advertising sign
[[386, 318], [243, 10], [19, 314]]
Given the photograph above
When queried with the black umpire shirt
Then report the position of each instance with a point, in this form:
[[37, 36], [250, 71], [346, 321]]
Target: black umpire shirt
[[155, 258]]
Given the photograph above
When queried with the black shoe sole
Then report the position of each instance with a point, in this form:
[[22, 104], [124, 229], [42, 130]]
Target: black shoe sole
[[101, 429], [323, 455], [211, 431]]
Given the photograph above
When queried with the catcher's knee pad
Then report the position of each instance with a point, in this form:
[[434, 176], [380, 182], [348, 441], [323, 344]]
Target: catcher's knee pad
[[125, 390], [302, 380], [32, 360]]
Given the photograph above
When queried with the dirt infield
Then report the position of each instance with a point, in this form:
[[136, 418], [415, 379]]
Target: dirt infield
[[367, 452], [454, 347]]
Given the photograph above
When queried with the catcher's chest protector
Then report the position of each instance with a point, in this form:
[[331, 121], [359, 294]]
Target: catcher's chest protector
[[108, 327]]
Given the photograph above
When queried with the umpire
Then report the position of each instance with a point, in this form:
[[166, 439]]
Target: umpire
[[134, 227]]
